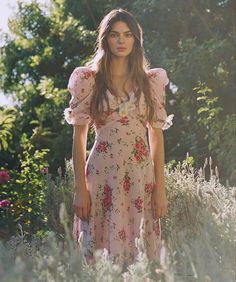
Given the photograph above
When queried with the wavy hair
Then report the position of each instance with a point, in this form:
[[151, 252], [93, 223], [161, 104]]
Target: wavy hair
[[100, 64]]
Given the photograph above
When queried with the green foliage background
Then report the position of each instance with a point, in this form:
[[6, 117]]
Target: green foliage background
[[193, 40]]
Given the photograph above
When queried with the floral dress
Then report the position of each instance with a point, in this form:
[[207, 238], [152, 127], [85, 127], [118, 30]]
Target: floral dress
[[119, 169]]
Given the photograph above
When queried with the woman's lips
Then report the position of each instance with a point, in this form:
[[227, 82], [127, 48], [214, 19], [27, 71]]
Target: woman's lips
[[121, 48]]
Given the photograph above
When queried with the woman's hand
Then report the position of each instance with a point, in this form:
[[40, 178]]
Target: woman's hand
[[159, 203], [82, 203]]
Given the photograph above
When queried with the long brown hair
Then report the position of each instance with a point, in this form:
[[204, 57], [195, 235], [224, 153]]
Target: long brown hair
[[100, 64]]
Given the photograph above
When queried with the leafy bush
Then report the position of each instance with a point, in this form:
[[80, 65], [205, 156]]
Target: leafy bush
[[25, 192], [7, 119]]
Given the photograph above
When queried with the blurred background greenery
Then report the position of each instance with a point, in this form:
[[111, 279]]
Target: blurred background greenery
[[193, 40]]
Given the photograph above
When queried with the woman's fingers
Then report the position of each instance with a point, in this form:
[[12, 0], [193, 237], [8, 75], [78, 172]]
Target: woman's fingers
[[79, 212], [89, 208], [83, 212], [158, 212], [159, 204], [82, 206], [162, 212]]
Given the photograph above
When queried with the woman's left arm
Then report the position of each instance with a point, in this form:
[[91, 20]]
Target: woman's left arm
[[159, 199]]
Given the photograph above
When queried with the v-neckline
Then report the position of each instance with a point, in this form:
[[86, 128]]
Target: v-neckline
[[120, 97]]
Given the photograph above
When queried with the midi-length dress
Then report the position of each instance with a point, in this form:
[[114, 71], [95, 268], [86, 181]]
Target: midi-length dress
[[119, 169]]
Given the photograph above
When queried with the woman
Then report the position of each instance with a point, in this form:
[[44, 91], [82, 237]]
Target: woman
[[120, 189]]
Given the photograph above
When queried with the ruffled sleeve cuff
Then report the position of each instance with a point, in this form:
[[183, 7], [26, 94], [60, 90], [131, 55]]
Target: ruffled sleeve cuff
[[72, 116], [163, 124]]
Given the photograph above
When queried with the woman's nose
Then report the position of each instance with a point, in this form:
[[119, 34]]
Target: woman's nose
[[121, 39]]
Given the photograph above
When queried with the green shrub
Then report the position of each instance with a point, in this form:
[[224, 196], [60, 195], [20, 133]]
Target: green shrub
[[26, 192]]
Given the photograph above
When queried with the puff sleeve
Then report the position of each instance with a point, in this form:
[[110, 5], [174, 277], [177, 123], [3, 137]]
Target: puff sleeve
[[158, 80], [80, 86]]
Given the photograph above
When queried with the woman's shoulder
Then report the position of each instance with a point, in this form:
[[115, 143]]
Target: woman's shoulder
[[83, 73], [81, 81]]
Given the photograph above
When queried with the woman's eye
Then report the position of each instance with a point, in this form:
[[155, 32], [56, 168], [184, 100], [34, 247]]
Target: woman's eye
[[116, 35], [113, 35]]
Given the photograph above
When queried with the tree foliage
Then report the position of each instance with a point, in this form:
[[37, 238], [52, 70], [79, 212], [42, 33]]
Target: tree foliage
[[7, 119], [193, 41], [36, 63]]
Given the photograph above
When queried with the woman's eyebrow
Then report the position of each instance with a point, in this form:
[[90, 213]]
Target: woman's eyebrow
[[119, 32]]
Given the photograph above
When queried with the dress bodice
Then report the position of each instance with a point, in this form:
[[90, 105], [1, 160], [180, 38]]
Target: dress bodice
[[81, 85]]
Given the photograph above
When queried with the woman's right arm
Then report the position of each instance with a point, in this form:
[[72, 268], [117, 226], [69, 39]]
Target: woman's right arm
[[82, 199]]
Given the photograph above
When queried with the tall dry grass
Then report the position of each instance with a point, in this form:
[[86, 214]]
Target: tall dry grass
[[198, 237]]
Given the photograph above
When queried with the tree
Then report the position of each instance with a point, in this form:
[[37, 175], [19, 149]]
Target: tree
[[47, 44], [194, 42]]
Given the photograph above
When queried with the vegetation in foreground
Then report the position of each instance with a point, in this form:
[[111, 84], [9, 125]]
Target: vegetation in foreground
[[198, 236]]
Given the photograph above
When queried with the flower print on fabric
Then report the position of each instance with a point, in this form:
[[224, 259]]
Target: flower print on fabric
[[140, 151], [126, 182], [124, 120], [119, 169], [139, 204], [103, 146], [149, 188], [86, 75], [107, 198], [122, 234]]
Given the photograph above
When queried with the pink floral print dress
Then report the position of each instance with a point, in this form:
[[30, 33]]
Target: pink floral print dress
[[119, 169]]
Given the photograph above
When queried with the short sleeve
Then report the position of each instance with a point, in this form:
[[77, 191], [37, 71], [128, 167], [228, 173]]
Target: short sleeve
[[158, 81], [80, 86]]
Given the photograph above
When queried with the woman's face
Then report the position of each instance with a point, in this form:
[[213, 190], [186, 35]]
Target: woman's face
[[120, 39]]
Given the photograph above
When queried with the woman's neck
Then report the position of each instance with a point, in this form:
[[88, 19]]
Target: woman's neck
[[119, 67]]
